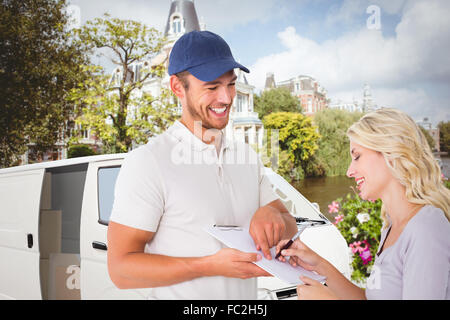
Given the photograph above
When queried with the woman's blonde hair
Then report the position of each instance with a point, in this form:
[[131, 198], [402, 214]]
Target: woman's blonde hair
[[407, 155]]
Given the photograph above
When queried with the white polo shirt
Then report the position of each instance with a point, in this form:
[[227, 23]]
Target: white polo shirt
[[175, 186]]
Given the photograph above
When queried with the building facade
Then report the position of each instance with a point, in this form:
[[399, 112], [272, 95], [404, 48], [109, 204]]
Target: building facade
[[312, 96], [367, 103]]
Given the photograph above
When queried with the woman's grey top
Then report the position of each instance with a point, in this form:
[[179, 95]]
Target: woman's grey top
[[417, 265]]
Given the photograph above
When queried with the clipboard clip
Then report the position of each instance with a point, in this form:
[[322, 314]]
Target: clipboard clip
[[311, 223], [226, 227]]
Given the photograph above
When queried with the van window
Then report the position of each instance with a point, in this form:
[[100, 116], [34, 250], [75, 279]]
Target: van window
[[106, 182]]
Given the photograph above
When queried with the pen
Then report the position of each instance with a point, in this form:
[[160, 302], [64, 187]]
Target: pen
[[225, 226], [289, 243]]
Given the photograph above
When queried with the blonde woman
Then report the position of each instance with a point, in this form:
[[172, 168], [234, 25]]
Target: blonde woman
[[392, 161]]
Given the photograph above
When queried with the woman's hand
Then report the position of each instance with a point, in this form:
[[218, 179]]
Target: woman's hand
[[301, 255], [314, 290]]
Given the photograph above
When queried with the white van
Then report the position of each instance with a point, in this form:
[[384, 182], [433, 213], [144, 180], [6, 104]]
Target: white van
[[53, 225]]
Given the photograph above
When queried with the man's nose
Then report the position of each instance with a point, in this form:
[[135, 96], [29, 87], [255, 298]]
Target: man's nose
[[224, 95]]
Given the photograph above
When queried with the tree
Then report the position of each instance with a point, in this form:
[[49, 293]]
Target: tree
[[444, 136], [276, 100], [116, 109], [297, 140], [39, 64], [429, 138], [334, 146]]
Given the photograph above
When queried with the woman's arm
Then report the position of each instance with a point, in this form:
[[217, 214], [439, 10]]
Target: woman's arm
[[303, 256]]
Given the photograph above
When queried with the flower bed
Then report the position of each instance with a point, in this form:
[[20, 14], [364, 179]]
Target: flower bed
[[360, 223]]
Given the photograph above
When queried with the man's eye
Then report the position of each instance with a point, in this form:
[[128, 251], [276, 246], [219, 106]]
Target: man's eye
[[357, 157], [232, 84], [212, 88]]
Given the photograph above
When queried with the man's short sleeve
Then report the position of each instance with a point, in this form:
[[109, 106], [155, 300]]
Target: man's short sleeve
[[138, 195]]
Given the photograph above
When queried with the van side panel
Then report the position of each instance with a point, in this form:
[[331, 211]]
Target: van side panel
[[20, 195]]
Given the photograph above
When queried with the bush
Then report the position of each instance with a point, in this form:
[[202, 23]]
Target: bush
[[360, 223], [298, 139], [80, 150]]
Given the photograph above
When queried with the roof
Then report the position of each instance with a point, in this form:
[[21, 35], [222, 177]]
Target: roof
[[66, 162], [187, 9]]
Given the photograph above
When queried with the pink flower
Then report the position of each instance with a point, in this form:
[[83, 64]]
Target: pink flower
[[365, 255], [333, 207], [356, 246], [338, 219]]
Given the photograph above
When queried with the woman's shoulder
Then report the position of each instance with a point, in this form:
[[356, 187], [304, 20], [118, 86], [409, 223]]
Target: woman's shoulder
[[430, 223], [431, 215]]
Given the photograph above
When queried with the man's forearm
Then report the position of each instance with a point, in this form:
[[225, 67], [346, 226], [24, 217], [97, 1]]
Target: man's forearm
[[143, 270]]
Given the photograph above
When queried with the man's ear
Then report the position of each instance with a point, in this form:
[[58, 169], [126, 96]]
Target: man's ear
[[177, 86]]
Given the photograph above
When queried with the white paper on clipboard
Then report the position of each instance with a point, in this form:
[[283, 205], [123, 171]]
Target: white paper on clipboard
[[239, 238]]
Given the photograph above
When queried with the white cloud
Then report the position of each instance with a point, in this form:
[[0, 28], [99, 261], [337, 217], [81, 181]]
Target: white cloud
[[221, 15], [218, 14], [417, 54], [152, 13]]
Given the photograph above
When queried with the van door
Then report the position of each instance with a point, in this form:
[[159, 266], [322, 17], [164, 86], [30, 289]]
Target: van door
[[20, 196], [96, 209]]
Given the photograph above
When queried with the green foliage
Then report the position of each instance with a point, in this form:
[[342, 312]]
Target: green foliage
[[276, 100], [39, 64], [80, 150], [429, 138], [444, 136], [360, 225], [114, 109], [333, 155], [297, 141]]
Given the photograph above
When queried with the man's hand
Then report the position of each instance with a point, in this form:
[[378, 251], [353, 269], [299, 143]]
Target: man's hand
[[268, 226], [233, 263]]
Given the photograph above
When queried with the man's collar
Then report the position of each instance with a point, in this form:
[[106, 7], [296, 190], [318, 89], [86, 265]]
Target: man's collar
[[180, 132]]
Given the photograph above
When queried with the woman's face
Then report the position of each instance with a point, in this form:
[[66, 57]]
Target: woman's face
[[369, 169]]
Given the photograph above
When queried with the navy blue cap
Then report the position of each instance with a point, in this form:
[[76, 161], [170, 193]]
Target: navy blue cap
[[204, 54]]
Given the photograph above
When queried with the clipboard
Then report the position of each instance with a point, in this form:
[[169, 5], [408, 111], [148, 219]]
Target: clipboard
[[240, 239]]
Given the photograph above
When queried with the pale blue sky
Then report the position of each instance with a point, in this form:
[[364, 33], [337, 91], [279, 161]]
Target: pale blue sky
[[406, 61]]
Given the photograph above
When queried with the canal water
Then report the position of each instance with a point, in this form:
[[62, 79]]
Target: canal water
[[325, 190]]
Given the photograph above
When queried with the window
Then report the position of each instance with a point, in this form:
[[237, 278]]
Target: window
[[176, 25], [106, 182], [241, 103]]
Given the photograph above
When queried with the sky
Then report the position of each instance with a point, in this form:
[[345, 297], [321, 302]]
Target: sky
[[401, 48]]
